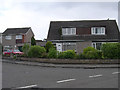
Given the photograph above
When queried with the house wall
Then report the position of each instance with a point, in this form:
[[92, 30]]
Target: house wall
[[28, 36], [83, 31], [81, 45], [41, 43], [11, 42]]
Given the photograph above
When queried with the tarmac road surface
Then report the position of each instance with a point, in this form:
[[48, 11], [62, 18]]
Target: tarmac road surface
[[23, 76]]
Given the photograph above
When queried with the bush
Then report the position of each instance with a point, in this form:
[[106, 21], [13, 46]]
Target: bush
[[52, 53], [25, 49], [92, 53], [80, 56], [69, 54], [61, 55], [111, 50], [36, 51]]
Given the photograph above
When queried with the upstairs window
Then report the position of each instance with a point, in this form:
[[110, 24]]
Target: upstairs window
[[68, 31], [98, 30], [18, 36], [8, 37]]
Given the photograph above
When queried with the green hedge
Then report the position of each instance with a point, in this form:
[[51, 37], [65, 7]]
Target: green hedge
[[92, 53], [52, 53], [69, 54], [111, 50], [108, 50], [36, 51]]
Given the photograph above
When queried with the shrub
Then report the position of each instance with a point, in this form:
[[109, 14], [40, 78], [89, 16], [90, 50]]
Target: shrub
[[69, 54], [80, 56], [52, 53], [48, 46], [36, 51], [61, 55], [111, 50], [92, 53], [25, 49]]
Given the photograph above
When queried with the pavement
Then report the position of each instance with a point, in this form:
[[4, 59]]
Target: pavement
[[18, 76], [85, 66]]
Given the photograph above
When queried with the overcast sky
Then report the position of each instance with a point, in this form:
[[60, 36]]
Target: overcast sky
[[37, 14]]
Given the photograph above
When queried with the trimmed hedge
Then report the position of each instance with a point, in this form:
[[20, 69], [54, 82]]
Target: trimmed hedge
[[69, 54], [111, 50], [92, 53], [36, 51]]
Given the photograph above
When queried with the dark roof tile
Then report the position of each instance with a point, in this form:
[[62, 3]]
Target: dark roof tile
[[16, 30], [111, 29]]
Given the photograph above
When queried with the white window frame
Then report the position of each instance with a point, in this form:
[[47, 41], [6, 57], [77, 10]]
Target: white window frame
[[8, 37], [68, 31], [18, 36], [100, 30], [95, 43]]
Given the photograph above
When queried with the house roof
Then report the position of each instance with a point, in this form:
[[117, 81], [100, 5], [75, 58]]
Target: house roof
[[112, 30], [16, 30]]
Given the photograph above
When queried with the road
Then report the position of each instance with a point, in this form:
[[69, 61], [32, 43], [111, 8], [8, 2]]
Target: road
[[23, 76]]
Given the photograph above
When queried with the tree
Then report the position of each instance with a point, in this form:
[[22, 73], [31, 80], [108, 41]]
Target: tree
[[48, 46], [33, 42], [25, 49]]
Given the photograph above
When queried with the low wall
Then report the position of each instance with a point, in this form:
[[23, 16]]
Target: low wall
[[68, 61]]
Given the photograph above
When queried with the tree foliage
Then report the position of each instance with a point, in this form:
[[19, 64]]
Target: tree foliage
[[25, 49], [48, 46], [33, 42]]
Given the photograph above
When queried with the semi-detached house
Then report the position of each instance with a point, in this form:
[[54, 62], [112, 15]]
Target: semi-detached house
[[77, 35], [16, 37]]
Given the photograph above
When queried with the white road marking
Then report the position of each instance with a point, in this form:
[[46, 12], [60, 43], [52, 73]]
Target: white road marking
[[30, 86], [65, 80], [115, 72], [96, 76]]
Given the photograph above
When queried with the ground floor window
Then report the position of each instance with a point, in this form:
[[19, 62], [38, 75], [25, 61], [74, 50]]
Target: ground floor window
[[8, 47], [97, 45], [69, 46]]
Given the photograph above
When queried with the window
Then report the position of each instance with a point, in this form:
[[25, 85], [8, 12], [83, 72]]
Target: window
[[18, 36], [98, 30], [69, 46], [97, 45], [68, 31], [8, 37]]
